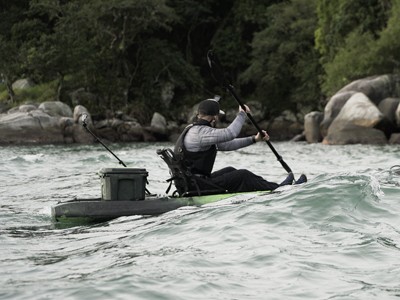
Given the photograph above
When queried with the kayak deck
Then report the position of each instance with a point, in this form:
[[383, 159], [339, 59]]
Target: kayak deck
[[98, 210]]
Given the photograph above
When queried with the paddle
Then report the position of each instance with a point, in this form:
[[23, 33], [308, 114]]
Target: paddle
[[84, 124], [219, 76]]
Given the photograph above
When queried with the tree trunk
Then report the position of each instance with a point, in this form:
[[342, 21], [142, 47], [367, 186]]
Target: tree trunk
[[60, 85], [10, 91]]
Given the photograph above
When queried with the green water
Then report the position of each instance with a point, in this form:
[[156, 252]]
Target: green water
[[336, 237]]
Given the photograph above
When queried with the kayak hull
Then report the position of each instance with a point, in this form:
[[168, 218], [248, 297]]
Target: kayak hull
[[98, 210]]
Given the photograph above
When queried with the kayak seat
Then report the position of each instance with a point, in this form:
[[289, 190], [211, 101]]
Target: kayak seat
[[186, 183]]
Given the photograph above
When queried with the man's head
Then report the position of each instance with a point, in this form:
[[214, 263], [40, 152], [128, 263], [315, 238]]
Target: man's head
[[208, 107]]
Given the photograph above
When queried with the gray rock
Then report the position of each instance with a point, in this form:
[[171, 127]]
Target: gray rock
[[80, 110], [27, 108], [394, 139], [355, 123], [332, 109], [388, 107], [343, 133], [22, 84], [159, 123], [312, 123], [376, 88], [56, 109], [34, 127], [359, 110]]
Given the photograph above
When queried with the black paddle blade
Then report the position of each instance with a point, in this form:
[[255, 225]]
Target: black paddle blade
[[216, 69]]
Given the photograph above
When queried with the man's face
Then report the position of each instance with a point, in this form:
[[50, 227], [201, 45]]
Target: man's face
[[214, 121]]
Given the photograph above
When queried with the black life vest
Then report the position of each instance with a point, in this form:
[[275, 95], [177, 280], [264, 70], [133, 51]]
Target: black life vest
[[201, 162]]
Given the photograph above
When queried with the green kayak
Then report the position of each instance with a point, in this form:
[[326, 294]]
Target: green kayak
[[80, 211]]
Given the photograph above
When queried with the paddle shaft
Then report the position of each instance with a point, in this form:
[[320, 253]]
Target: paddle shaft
[[230, 88]]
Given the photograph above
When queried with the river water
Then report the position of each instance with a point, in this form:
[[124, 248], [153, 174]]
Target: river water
[[335, 237]]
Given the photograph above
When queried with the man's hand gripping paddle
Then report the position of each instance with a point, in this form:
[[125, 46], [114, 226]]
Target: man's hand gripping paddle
[[219, 75]]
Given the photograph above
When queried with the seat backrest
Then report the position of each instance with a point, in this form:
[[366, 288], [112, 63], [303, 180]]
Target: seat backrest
[[185, 182], [180, 175]]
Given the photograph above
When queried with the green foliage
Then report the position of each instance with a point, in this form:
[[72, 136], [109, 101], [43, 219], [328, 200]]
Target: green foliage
[[36, 94], [387, 47], [350, 62], [339, 18], [368, 48], [284, 67], [285, 53]]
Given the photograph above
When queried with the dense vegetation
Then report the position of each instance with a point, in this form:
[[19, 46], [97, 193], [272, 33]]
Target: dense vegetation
[[132, 54]]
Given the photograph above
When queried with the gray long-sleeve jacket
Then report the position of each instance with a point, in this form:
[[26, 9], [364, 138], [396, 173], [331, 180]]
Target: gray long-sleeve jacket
[[201, 138]]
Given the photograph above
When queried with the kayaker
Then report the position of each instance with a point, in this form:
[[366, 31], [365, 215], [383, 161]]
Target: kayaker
[[198, 144]]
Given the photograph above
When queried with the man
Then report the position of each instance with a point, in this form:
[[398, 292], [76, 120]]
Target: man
[[197, 147]]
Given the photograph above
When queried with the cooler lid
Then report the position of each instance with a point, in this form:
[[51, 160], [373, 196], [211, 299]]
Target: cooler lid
[[122, 171]]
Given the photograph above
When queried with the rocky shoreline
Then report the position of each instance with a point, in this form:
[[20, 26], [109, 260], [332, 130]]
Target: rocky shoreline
[[366, 111], [55, 122]]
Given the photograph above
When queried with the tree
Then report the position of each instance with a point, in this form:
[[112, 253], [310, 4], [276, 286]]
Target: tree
[[284, 66], [10, 57], [347, 38]]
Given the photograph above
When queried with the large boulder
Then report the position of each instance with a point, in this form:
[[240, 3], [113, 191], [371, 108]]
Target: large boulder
[[359, 110], [376, 88], [33, 127], [342, 133], [332, 109], [388, 107], [355, 123]]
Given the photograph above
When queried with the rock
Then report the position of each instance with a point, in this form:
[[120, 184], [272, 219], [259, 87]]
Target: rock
[[22, 84], [80, 110], [388, 107], [299, 138], [130, 132], [158, 129], [312, 123], [159, 123], [27, 108], [56, 109], [359, 110], [355, 123], [343, 133], [280, 129], [332, 109], [65, 122], [394, 139], [81, 136], [376, 88], [34, 127], [108, 133]]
